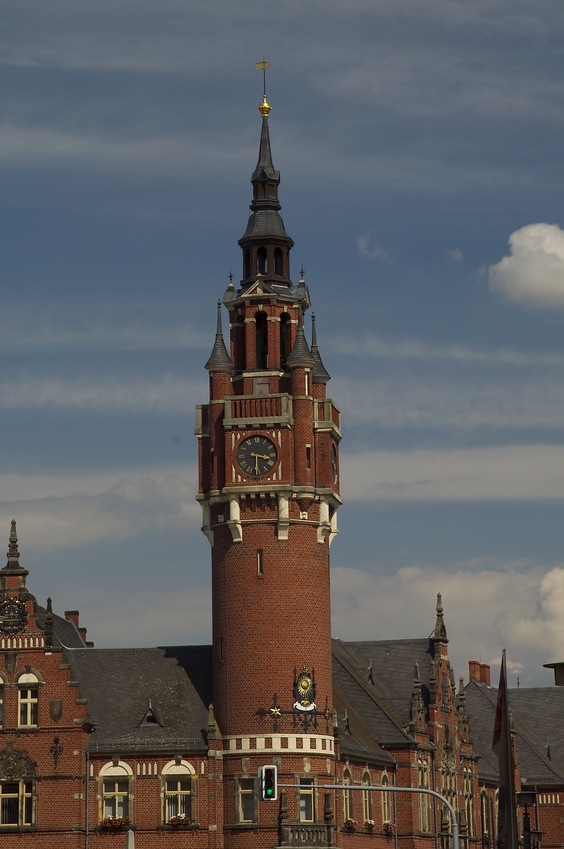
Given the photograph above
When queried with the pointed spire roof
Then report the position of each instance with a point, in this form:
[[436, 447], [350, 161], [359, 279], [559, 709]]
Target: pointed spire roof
[[219, 359], [440, 633], [265, 225], [320, 373], [300, 354], [13, 564]]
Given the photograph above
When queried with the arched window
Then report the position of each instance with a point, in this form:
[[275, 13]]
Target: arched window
[[17, 792], [28, 700], [469, 802], [367, 800], [178, 792], [261, 340], [386, 802], [424, 798], [347, 798], [285, 338], [485, 817], [278, 262], [261, 261], [115, 790]]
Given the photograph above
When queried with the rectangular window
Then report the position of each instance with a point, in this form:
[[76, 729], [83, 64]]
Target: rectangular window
[[178, 798], [115, 798], [1, 705], [308, 456], [247, 796], [16, 803], [260, 561], [29, 700], [306, 799]]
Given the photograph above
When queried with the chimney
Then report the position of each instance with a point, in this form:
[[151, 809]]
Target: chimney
[[474, 670], [485, 673]]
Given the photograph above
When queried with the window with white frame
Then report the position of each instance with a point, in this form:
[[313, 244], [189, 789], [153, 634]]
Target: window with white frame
[[115, 788], [28, 700], [366, 799], [16, 803], [178, 792], [347, 796], [386, 802], [306, 800]]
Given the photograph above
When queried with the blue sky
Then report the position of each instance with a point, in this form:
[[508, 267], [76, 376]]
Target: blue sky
[[420, 150]]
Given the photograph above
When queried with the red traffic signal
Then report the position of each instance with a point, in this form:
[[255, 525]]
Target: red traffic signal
[[268, 783]]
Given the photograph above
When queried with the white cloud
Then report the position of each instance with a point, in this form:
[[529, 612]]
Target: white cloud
[[457, 400], [485, 611], [508, 472], [533, 273], [80, 509], [373, 345], [165, 394], [455, 255], [368, 248]]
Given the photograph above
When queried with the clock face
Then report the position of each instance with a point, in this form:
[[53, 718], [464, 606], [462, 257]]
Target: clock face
[[13, 616], [256, 456]]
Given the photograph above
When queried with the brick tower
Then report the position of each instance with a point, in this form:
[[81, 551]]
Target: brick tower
[[269, 488]]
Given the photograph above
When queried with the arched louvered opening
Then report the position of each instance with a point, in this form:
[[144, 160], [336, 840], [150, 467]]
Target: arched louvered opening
[[261, 340], [278, 265], [247, 264], [261, 261], [285, 339]]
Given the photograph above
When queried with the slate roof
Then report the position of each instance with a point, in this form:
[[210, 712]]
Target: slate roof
[[393, 667], [537, 716], [65, 633], [121, 685]]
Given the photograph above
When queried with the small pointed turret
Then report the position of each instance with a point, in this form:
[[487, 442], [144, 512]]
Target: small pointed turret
[[13, 565], [440, 633], [320, 373], [219, 359], [300, 354]]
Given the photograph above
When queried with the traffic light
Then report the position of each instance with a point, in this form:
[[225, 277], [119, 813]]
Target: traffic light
[[268, 779]]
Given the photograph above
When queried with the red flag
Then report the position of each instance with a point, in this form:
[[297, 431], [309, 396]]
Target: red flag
[[501, 744]]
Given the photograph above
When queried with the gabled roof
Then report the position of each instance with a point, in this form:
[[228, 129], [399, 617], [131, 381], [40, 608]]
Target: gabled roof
[[119, 685]]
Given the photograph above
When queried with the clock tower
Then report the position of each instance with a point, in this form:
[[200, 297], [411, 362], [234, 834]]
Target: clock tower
[[268, 454]]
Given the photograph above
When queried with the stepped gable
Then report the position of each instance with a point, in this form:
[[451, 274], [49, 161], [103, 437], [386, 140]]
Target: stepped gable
[[546, 705], [126, 687]]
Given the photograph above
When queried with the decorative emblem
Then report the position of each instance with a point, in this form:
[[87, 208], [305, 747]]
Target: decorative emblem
[[304, 711], [304, 691], [13, 616]]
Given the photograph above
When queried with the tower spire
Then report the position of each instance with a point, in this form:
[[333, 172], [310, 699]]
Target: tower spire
[[13, 565], [265, 244]]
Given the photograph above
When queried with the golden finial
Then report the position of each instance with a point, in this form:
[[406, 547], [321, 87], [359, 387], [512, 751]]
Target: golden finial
[[265, 107]]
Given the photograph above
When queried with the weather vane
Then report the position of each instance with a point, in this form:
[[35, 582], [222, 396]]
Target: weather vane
[[263, 66]]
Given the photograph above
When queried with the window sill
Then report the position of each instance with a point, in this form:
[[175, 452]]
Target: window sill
[[190, 826]]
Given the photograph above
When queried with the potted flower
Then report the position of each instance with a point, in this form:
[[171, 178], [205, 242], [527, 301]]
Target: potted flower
[[179, 821], [115, 823], [350, 824], [369, 825], [389, 827]]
